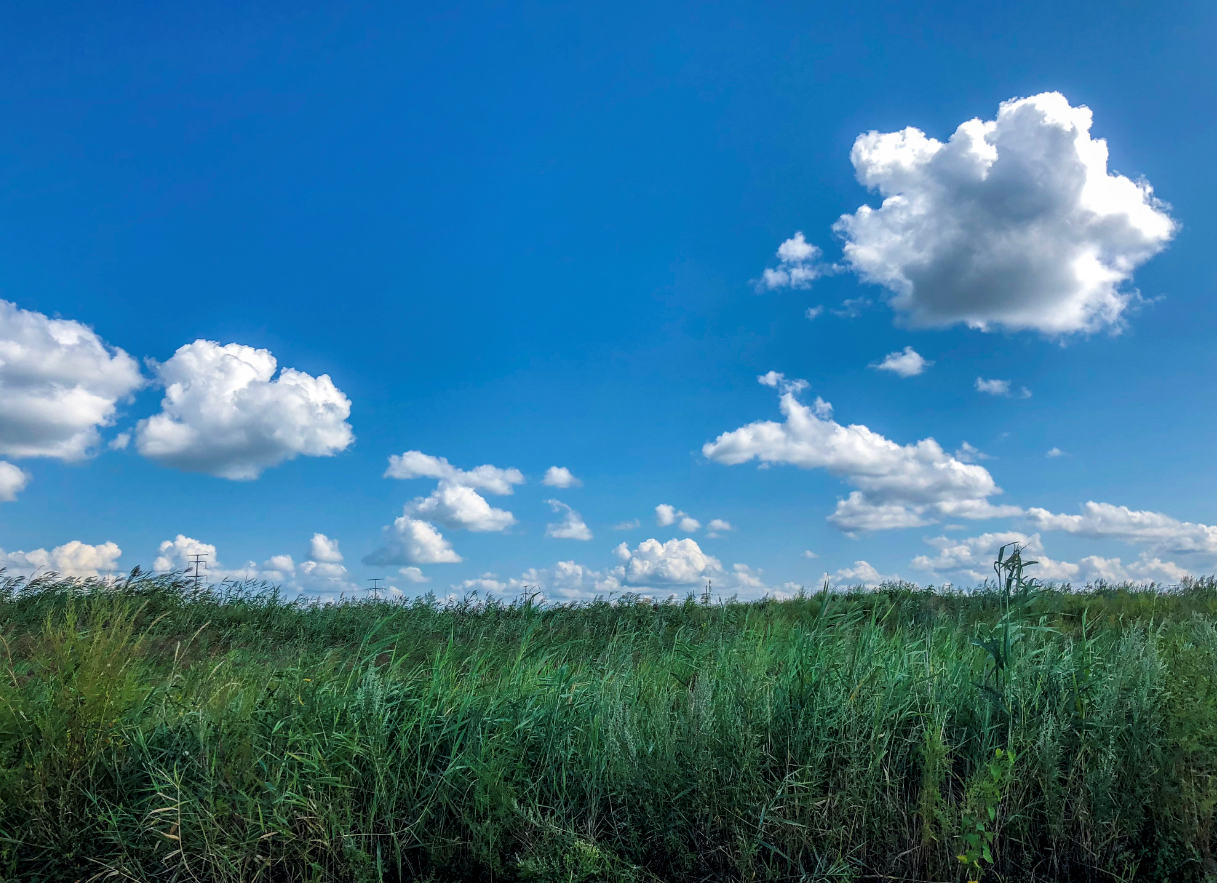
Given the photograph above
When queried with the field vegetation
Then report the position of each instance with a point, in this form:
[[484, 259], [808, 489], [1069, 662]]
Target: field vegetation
[[150, 730]]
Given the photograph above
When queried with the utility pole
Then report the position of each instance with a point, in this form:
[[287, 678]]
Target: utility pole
[[375, 581], [198, 563]]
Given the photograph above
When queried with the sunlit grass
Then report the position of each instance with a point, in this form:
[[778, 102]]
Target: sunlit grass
[[149, 732]]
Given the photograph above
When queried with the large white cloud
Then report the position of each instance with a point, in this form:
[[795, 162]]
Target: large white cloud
[[676, 562], [1163, 534], [226, 414], [572, 526], [410, 541], [59, 383], [74, 559], [458, 506], [898, 485], [12, 481], [1014, 222], [455, 501]]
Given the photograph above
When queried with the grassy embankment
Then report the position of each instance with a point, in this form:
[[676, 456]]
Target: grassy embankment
[[150, 733]]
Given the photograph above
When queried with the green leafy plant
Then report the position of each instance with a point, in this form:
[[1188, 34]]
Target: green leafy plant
[[980, 815]]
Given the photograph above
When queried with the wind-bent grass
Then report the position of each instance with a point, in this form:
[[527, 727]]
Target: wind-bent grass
[[151, 733]]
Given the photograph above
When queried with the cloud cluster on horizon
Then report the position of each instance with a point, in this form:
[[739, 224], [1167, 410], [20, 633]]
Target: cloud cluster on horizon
[[898, 485]]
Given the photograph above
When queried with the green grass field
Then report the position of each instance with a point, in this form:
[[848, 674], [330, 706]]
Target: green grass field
[[150, 732]]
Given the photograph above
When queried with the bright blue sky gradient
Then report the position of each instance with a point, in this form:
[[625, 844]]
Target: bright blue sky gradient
[[527, 235]]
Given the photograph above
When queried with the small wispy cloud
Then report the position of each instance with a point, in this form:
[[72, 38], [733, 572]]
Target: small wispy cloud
[[572, 526], [851, 307], [798, 266], [1000, 388], [967, 453], [903, 363]]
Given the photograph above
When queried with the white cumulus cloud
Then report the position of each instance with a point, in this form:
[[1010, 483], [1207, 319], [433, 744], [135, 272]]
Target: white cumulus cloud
[[903, 363], [971, 559], [1146, 569], [457, 506], [416, 464], [319, 574], [13, 480], [898, 485], [486, 583], [717, 527], [676, 562], [560, 477], [455, 503], [863, 573], [666, 515], [566, 581], [226, 414], [59, 384], [571, 527], [74, 559], [1162, 533], [178, 554], [411, 541], [1013, 222], [798, 266], [999, 388], [322, 548]]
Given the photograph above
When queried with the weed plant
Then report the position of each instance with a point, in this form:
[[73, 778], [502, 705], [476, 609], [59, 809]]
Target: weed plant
[[153, 731]]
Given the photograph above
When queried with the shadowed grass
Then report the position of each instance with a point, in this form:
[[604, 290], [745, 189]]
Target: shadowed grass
[[150, 732]]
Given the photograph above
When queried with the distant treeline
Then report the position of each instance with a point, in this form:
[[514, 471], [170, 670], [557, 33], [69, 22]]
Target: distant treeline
[[150, 730]]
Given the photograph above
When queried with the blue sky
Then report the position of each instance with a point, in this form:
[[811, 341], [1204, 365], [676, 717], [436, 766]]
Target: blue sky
[[526, 236]]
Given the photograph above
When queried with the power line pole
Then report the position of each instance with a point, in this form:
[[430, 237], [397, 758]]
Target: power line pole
[[375, 581], [198, 564]]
